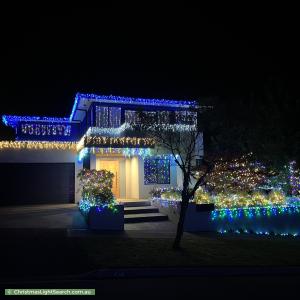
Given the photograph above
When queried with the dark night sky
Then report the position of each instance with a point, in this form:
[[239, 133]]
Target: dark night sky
[[48, 56]]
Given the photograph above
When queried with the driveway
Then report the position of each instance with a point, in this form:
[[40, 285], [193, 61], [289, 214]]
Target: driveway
[[42, 216]]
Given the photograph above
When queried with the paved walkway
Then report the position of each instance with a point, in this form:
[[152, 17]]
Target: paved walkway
[[42, 216]]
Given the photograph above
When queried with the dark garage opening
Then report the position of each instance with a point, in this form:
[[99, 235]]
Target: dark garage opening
[[37, 183]]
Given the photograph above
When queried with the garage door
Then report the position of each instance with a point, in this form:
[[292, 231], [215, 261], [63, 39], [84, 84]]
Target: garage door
[[36, 183]]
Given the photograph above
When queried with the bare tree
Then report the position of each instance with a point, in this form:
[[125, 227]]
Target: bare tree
[[182, 141]]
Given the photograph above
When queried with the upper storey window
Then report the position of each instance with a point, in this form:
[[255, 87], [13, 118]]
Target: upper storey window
[[108, 117], [160, 117], [163, 117], [185, 117], [131, 116]]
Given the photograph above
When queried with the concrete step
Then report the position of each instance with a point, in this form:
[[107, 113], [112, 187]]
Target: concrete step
[[137, 203], [151, 217], [140, 210]]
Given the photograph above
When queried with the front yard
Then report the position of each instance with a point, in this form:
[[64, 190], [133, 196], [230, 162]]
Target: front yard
[[51, 253]]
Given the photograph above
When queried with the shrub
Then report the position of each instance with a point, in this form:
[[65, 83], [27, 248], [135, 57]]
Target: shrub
[[242, 199], [171, 195], [166, 193], [259, 199], [223, 201], [156, 192], [202, 197], [276, 198], [96, 186]]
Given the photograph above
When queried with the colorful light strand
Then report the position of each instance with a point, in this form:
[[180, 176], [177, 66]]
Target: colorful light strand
[[294, 178], [250, 212], [266, 233]]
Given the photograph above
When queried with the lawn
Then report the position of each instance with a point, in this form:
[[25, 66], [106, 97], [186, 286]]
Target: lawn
[[202, 250], [47, 253]]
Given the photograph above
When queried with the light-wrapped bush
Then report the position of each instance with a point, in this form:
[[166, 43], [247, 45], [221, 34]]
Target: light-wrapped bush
[[223, 201], [259, 199], [96, 187], [171, 195], [276, 198], [166, 193], [241, 200], [202, 197]]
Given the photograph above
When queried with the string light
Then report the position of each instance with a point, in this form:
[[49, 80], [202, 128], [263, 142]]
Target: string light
[[239, 231], [156, 171], [130, 100], [48, 129], [93, 131], [166, 203], [236, 175], [91, 141], [250, 212], [294, 178], [37, 145], [96, 190], [118, 131], [12, 120], [127, 152], [82, 154], [86, 205]]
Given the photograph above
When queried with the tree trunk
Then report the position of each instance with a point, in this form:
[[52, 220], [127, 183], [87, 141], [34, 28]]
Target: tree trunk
[[184, 206]]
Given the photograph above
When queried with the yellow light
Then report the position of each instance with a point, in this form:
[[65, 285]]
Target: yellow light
[[38, 145], [121, 141]]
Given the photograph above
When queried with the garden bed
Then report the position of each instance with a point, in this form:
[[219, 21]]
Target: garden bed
[[277, 220]]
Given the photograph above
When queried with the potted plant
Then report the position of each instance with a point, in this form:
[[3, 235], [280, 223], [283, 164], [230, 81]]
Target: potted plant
[[98, 204]]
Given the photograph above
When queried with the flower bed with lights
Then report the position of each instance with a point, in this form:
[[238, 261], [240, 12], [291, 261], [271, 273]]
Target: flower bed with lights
[[98, 204], [256, 212]]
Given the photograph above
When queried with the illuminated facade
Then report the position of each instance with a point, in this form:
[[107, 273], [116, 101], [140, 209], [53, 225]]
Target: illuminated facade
[[98, 135]]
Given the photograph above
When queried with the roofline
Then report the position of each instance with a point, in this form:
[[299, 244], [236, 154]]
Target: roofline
[[11, 120], [131, 100]]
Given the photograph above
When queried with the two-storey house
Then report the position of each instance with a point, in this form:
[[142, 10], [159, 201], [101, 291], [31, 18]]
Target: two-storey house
[[41, 165]]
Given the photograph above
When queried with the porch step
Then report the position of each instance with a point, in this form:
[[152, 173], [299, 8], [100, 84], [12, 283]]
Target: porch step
[[151, 217], [137, 203], [140, 210]]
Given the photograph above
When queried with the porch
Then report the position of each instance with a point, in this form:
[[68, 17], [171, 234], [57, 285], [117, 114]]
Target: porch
[[129, 175]]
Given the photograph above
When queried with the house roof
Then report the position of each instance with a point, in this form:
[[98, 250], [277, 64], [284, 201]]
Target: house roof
[[83, 101]]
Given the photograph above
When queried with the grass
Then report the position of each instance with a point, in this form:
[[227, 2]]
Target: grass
[[197, 251], [53, 253]]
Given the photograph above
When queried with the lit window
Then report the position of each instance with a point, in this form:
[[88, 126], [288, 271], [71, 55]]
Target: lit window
[[108, 117], [185, 117]]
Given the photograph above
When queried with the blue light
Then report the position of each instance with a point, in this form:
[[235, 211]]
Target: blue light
[[12, 120], [83, 152], [74, 106], [130, 100], [4, 120], [250, 212]]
